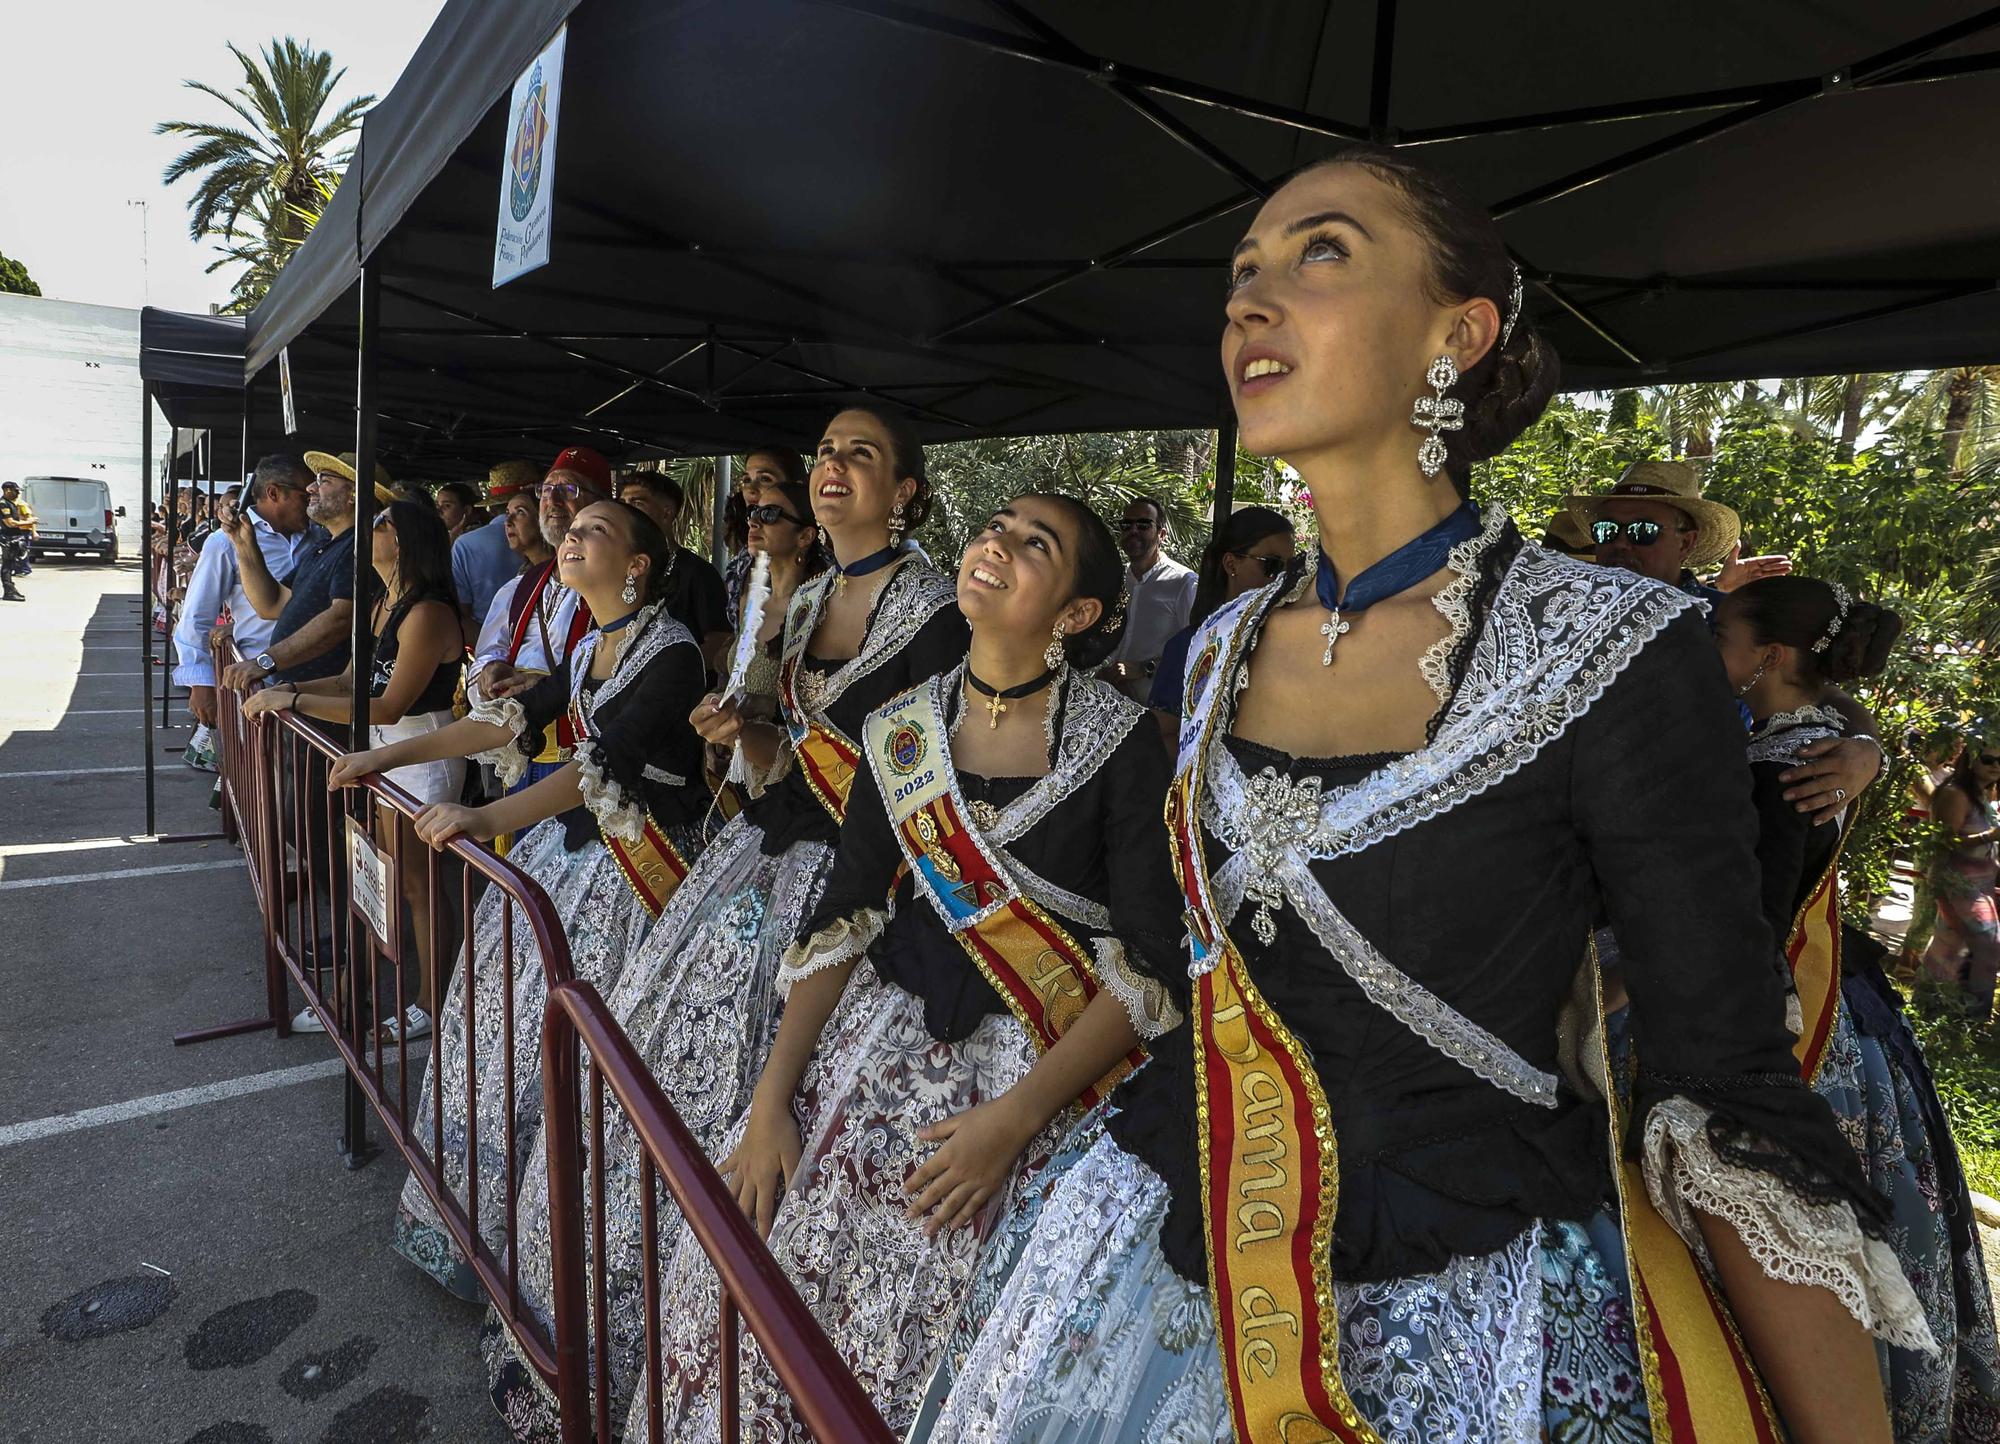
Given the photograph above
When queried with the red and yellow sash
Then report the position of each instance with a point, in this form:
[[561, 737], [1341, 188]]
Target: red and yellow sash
[[825, 757], [1042, 973], [653, 866], [1270, 1185], [1814, 954]]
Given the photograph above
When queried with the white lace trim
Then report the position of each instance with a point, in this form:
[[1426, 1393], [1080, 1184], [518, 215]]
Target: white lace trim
[[1146, 1000], [841, 941], [1793, 1240], [1454, 601], [506, 759], [1779, 737], [616, 813]]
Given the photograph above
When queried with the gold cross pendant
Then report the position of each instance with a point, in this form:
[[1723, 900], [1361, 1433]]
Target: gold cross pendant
[[994, 707], [1333, 629]]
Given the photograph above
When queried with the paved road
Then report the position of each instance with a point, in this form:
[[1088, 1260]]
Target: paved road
[[243, 1289]]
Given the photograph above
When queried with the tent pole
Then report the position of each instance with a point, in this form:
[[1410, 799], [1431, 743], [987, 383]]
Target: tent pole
[[718, 535], [355, 1149], [1225, 476], [173, 539], [146, 585]]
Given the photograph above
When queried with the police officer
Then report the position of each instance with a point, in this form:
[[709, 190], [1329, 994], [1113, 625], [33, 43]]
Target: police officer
[[17, 526]]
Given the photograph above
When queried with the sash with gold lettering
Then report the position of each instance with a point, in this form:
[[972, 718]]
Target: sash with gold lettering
[[825, 757], [652, 865], [1814, 954], [1270, 1177], [1031, 960]]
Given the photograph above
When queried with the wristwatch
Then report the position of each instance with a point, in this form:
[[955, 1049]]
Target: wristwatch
[[263, 660]]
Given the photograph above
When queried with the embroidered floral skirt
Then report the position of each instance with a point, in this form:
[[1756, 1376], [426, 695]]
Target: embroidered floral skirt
[[605, 924], [1094, 1339], [1954, 1397], [886, 1295], [699, 1003]]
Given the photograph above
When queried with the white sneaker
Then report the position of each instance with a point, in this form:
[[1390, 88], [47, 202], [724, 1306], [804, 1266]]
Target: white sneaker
[[415, 1023], [307, 1021]]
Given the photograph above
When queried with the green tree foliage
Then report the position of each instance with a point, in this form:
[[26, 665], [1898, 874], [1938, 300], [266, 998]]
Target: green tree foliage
[[14, 277], [262, 182]]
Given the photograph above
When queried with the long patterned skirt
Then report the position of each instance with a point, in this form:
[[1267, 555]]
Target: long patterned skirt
[[886, 1295], [1094, 1339], [1872, 1078], [605, 924], [699, 1003]]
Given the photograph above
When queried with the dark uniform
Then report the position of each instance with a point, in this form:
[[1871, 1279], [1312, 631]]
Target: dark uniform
[[17, 525]]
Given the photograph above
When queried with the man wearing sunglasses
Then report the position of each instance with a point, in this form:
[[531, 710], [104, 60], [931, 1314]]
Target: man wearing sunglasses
[[1655, 521], [1162, 597], [694, 595]]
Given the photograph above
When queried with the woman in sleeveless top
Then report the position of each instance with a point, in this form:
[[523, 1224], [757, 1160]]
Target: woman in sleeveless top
[[1373, 1190], [604, 835], [419, 649], [699, 1000], [1964, 951], [1783, 640]]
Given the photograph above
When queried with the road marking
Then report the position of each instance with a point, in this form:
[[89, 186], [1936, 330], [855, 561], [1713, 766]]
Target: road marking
[[85, 844], [73, 772], [120, 872], [7, 717], [168, 1102]]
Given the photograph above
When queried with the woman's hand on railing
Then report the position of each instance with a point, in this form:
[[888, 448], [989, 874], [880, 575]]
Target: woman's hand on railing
[[349, 768], [762, 1163], [270, 700], [439, 823], [981, 1147]]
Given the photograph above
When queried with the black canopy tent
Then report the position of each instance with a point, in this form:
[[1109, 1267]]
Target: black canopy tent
[[1009, 217]]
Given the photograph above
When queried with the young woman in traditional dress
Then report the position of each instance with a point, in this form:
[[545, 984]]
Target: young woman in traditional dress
[[699, 1001], [1783, 640], [964, 991], [613, 832], [1366, 1193]]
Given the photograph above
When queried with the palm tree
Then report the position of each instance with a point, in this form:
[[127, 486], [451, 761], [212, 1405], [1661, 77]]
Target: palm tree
[[276, 167], [1963, 404]]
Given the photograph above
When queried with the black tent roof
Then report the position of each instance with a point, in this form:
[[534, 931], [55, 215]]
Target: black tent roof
[[1010, 217], [193, 366]]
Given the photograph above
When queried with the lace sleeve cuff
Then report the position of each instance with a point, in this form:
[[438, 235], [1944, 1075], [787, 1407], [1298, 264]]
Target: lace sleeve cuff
[[761, 779], [616, 813], [841, 941], [1146, 1000], [506, 759], [1795, 1239]]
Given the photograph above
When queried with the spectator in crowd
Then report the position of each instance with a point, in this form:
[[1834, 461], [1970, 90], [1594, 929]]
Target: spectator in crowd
[[694, 594], [763, 466], [458, 508], [1964, 951], [277, 522], [314, 607], [1937, 757], [17, 531], [418, 651], [1162, 597], [1569, 536], [1254, 548], [483, 559], [520, 521]]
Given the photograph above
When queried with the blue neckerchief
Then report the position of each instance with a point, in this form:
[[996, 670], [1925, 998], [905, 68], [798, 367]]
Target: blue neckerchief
[[1402, 569], [620, 625], [873, 562]]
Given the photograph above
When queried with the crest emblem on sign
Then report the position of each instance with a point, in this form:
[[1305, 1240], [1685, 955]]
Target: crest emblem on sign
[[1198, 674], [904, 747], [524, 160]]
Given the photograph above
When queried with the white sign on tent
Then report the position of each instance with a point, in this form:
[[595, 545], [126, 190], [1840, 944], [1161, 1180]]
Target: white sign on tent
[[528, 170]]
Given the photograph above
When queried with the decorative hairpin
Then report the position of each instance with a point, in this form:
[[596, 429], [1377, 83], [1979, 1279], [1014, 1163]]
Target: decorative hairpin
[[1842, 601], [1513, 308]]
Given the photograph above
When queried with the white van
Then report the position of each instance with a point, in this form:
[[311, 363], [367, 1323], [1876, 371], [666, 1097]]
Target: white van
[[72, 516]]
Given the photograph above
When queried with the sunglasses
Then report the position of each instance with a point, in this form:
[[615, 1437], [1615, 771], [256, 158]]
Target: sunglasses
[[771, 513], [1271, 565], [1988, 759], [1126, 523], [1638, 533]]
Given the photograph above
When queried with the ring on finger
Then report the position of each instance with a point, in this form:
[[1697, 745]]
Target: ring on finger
[[1840, 794]]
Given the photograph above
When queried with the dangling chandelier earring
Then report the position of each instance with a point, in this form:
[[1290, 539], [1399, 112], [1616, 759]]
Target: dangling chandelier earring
[[1437, 413], [1755, 677], [631, 592], [896, 524], [1053, 654]]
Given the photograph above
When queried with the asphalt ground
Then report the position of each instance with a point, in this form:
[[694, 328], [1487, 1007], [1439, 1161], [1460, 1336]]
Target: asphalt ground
[[189, 1261]]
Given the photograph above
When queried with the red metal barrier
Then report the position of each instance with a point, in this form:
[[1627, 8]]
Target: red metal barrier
[[294, 840], [833, 1405]]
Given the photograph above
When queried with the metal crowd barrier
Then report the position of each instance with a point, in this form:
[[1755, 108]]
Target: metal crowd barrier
[[835, 1408], [293, 836]]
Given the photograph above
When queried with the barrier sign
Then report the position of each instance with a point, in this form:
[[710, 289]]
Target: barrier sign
[[370, 886], [528, 169]]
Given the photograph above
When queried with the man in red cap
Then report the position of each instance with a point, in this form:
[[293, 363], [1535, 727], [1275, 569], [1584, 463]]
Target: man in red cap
[[548, 618]]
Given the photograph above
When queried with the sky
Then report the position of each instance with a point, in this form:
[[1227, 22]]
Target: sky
[[93, 77]]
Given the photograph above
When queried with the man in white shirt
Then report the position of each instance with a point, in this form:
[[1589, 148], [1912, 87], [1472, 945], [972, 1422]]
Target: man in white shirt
[[277, 515], [1162, 598]]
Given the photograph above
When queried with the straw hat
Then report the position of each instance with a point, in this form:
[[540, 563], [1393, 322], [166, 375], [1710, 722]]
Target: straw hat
[[1674, 484], [1566, 534], [343, 465], [509, 477]]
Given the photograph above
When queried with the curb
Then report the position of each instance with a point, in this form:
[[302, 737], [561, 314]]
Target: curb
[[1985, 1209]]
